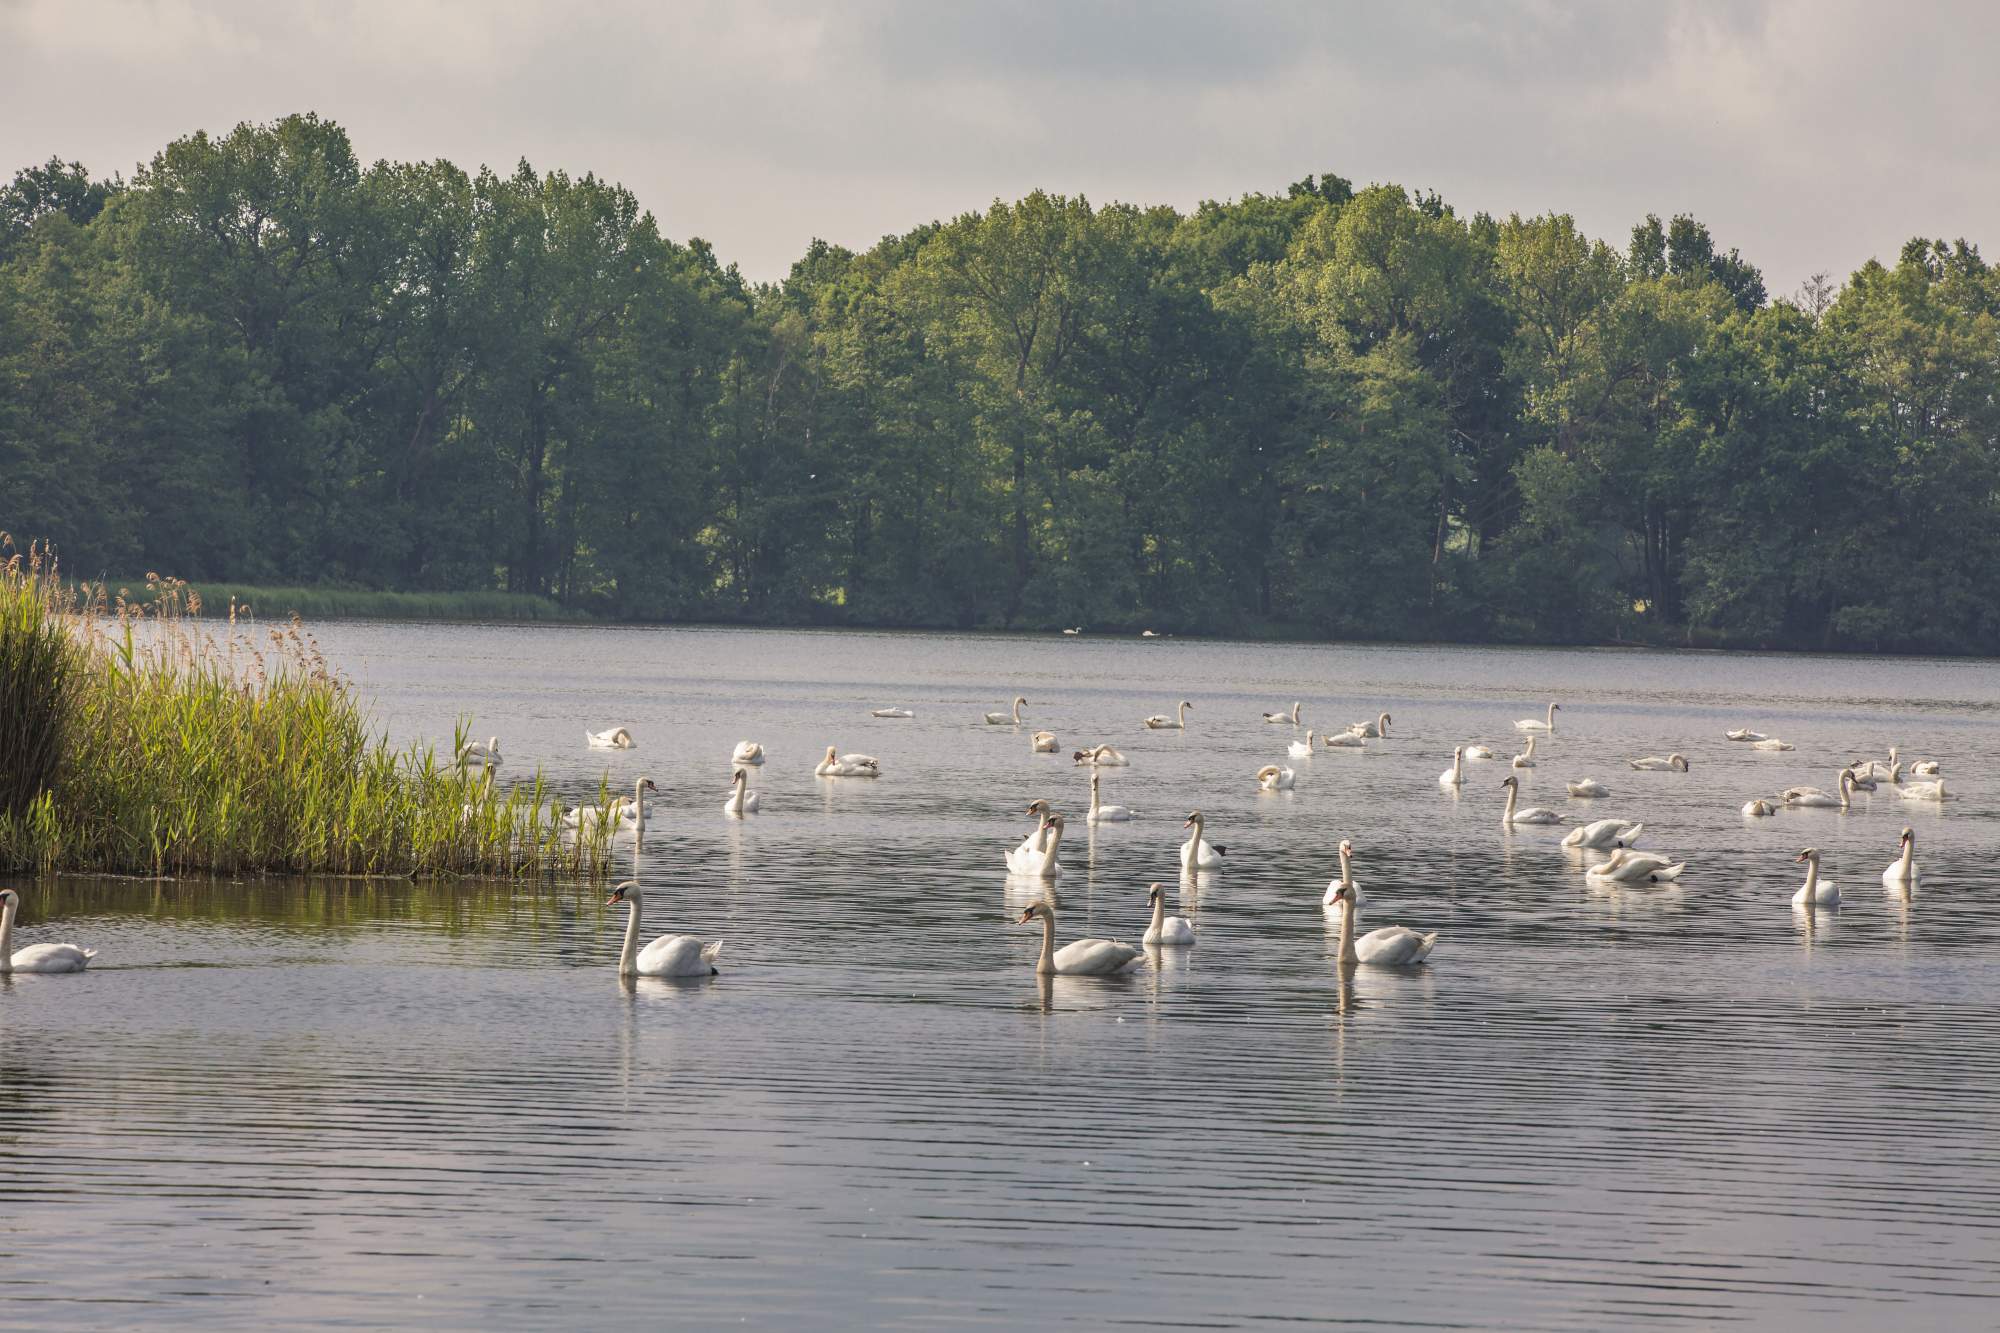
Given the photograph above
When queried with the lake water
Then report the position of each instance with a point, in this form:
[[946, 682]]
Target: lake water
[[436, 1106]]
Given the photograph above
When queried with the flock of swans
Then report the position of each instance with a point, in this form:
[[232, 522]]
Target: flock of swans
[[1037, 855]]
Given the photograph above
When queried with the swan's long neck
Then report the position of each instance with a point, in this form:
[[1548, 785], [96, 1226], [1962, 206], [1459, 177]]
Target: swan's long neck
[[1812, 877], [1909, 854], [1180, 714], [1457, 767], [1051, 841], [1512, 792], [1531, 745], [1017, 712], [1346, 866], [1347, 954], [1194, 843], [1295, 714], [1095, 802], [1552, 719], [627, 955], [1846, 785], [1159, 914], [1047, 962], [741, 783], [7, 936], [639, 804], [1382, 724]]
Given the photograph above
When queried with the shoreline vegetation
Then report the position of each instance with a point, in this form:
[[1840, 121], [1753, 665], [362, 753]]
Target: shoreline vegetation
[[138, 738], [1340, 413]]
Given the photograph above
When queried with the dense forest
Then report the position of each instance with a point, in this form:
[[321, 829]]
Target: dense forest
[[1322, 411]]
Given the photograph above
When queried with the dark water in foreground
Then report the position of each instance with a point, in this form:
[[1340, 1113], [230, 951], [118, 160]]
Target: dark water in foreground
[[437, 1106]]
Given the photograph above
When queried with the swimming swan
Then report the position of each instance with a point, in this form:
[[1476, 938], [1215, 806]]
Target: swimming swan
[[1196, 852], [1771, 743], [1758, 808], [1588, 787], [1291, 717], [1654, 764], [1273, 778], [1043, 742], [615, 739], [1534, 814], [1900, 877], [848, 765], [891, 712], [1538, 724], [667, 956], [475, 754], [36, 957], [1454, 775], [1079, 958], [1526, 759], [1178, 722], [1815, 892], [1391, 946], [1101, 813], [748, 752], [1166, 930], [626, 816], [1038, 857], [1922, 791], [1479, 752], [1003, 719], [1301, 749], [1102, 756], [1744, 734], [1379, 727], [1604, 833], [1343, 740], [1814, 798], [742, 801], [1344, 880], [1628, 867]]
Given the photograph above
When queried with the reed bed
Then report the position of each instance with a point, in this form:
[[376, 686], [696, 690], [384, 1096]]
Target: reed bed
[[140, 739]]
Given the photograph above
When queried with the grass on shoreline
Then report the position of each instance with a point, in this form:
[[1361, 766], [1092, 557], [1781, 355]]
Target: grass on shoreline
[[158, 743]]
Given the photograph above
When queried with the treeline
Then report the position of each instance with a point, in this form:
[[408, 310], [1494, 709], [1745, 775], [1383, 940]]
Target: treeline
[[1324, 411]]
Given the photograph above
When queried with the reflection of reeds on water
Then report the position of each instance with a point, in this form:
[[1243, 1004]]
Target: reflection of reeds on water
[[143, 741]]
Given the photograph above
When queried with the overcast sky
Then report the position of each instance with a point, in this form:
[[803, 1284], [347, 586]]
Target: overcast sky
[[1810, 134]]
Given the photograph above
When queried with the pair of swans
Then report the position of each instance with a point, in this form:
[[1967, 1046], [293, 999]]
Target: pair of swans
[[1588, 787], [1391, 946], [1101, 813], [36, 957], [625, 817], [1273, 778], [1102, 756], [1291, 717], [1178, 722], [1625, 866], [618, 738], [1082, 958], [1377, 729], [1043, 742], [1007, 720], [1652, 763], [1547, 724], [837, 765], [1197, 853], [1813, 798], [742, 801], [1604, 833], [667, 956], [1534, 814], [1036, 854], [1526, 759], [747, 752]]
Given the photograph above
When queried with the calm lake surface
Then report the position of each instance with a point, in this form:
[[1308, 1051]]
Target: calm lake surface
[[436, 1105]]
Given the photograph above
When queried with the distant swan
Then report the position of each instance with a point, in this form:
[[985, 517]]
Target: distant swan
[[892, 712], [1928, 768], [1875, 768], [1588, 787], [1343, 740], [1771, 743], [667, 956], [1391, 946], [1301, 749], [1815, 891], [1900, 877], [1197, 853], [1344, 880], [1079, 958], [1759, 807], [1039, 860], [1454, 775], [1291, 717], [1526, 759], [1166, 930], [1813, 797], [1539, 724], [848, 765], [1100, 813], [1628, 867], [1744, 734], [36, 957], [1654, 764], [1379, 727], [1604, 833], [1922, 791], [742, 801], [1178, 722], [615, 739], [1102, 756], [748, 752], [475, 755], [1479, 752], [626, 816], [1273, 778], [1534, 814], [1003, 719], [1043, 742]]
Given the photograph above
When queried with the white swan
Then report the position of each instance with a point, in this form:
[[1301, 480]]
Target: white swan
[[1814, 798], [1102, 756], [1479, 752], [1534, 814], [1900, 877], [1454, 775], [36, 957], [1875, 768], [615, 739], [1652, 763], [1178, 722], [1759, 807], [891, 712], [1588, 787], [742, 801], [476, 755], [1043, 742], [1771, 743], [1166, 930], [1101, 813], [1197, 853], [1038, 858], [1301, 749], [848, 765], [1291, 717], [1604, 833], [1391, 946], [1815, 892], [667, 956], [1540, 724], [1003, 719], [1922, 791], [1371, 730], [748, 752], [1629, 867], [625, 817], [1149, 634], [1079, 958], [1273, 778], [1344, 880], [1343, 740], [1038, 836], [1526, 759], [1744, 734], [1077, 630], [1927, 768]]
